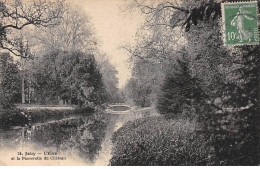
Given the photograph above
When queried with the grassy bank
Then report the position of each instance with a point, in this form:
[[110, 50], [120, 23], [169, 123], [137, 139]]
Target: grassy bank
[[180, 140], [159, 141]]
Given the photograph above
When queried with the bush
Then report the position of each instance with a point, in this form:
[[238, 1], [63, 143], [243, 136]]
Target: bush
[[5, 104], [233, 134], [157, 141]]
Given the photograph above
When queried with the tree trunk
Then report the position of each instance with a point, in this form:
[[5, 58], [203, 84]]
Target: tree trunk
[[23, 94], [29, 93]]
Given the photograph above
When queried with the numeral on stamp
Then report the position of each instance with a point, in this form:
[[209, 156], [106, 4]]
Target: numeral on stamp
[[240, 23]]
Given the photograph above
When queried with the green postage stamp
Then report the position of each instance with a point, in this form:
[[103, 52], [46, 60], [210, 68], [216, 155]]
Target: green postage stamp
[[240, 23]]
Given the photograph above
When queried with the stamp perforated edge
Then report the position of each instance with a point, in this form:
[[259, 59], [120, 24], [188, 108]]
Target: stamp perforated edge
[[224, 26]]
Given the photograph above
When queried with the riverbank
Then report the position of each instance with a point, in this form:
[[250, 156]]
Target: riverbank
[[49, 107], [21, 117]]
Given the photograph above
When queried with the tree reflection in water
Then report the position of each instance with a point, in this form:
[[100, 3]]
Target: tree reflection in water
[[76, 137]]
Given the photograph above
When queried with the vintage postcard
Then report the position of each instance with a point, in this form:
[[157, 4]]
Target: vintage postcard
[[129, 83]]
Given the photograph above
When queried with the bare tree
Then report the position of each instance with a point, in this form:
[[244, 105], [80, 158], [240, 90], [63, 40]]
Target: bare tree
[[74, 33], [17, 14]]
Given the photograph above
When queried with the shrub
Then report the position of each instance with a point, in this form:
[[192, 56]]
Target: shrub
[[5, 104], [233, 140], [157, 141]]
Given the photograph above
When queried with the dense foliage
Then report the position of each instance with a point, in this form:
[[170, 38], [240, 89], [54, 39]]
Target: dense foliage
[[10, 84], [71, 76], [220, 84], [180, 92], [158, 141], [110, 80]]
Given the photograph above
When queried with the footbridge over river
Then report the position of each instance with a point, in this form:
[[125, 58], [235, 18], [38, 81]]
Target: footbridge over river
[[119, 108]]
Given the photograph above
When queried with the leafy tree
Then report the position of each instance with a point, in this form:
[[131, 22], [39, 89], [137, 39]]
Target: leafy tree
[[42, 74], [145, 82], [235, 125], [138, 93], [10, 84], [180, 91], [228, 76], [234, 95], [110, 81], [83, 77], [69, 75]]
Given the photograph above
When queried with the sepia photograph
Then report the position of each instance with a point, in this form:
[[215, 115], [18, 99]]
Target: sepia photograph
[[129, 83]]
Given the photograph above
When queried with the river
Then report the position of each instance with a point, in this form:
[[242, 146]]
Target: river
[[75, 140]]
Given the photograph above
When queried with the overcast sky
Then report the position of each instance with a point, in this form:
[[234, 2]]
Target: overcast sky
[[113, 29]]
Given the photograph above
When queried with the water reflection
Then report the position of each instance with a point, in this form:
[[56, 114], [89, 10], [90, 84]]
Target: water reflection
[[82, 140], [78, 137]]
